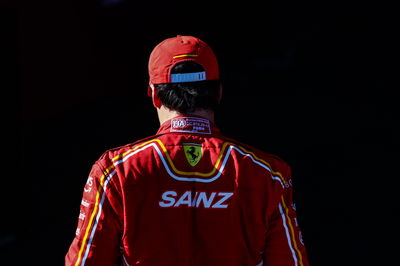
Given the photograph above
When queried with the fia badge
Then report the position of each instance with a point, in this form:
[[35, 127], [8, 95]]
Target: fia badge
[[190, 125], [193, 152]]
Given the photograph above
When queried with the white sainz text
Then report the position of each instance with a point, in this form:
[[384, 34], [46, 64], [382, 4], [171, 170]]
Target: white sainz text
[[195, 199]]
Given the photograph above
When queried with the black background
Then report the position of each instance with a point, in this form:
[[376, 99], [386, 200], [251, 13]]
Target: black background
[[312, 82]]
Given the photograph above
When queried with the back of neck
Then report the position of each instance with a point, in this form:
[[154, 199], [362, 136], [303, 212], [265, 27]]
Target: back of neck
[[165, 114]]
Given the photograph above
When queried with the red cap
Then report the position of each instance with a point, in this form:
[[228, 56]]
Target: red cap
[[182, 48]]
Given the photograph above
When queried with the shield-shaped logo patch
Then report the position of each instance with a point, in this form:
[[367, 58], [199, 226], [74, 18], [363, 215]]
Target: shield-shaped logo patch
[[193, 152]]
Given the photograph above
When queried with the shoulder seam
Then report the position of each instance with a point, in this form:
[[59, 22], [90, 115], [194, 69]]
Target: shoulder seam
[[253, 149]]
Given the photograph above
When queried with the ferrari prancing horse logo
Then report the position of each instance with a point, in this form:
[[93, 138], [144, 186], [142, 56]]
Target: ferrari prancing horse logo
[[193, 152]]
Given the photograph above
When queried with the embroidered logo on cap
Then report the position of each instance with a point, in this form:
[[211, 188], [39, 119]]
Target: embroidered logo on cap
[[190, 125]]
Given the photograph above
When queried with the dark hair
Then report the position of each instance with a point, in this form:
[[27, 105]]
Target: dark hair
[[186, 97]]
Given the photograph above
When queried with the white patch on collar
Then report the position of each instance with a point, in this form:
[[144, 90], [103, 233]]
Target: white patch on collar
[[190, 125]]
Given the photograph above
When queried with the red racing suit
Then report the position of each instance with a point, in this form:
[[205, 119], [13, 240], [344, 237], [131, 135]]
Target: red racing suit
[[188, 196]]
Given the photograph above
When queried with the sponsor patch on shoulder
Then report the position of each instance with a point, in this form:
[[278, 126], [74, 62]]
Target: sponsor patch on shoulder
[[190, 125]]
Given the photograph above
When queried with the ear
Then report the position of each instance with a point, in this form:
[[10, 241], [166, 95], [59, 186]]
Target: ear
[[220, 93], [152, 91]]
